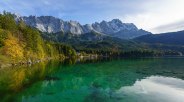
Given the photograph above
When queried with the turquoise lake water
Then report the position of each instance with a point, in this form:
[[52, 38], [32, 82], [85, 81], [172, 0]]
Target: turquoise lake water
[[123, 80]]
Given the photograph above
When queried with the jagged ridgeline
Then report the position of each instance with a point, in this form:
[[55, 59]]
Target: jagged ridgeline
[[19, 42]]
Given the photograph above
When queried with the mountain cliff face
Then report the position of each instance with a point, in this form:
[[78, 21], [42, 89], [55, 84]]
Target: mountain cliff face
[[113, 28]]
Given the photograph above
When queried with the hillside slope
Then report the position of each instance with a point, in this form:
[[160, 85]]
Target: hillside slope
[[173, 41], [22, 44], [172, 38]]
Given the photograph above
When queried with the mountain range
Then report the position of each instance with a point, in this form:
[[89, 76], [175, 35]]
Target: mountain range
[[92, 35], [170, 38], [171, 41], [114, 28], [113, 37]]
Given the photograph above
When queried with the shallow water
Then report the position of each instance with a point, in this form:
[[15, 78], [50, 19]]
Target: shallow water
[[125, 80]]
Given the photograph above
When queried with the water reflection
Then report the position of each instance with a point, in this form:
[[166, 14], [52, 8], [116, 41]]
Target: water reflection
[[125, 80], [13, 80], [153, 89]]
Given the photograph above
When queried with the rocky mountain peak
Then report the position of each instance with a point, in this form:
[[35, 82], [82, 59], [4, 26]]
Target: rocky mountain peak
[[117, 21], [52, 24]]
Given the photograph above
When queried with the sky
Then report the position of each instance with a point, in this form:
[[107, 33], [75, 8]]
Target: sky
[[156, 16]]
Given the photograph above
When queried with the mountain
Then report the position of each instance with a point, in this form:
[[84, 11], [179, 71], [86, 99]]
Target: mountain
[[26, 44], [92, 40], [171, 38], [172, 41], [113, 28]]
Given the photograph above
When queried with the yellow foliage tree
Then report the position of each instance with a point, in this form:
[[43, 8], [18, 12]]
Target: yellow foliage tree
[[12, 48]]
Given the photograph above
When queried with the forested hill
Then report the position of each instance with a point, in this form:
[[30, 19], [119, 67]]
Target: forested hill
[[172, 38], [19, 42], [172, 41]]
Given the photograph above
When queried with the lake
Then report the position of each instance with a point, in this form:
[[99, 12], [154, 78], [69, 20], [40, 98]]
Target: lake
[[121, 80]]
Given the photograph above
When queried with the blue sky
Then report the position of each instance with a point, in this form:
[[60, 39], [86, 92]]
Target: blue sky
[[153, 15]]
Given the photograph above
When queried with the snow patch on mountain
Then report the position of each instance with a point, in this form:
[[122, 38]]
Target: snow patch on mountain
[[115, 27]]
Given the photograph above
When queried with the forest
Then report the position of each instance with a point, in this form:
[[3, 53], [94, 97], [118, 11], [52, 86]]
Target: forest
[[21, 44]]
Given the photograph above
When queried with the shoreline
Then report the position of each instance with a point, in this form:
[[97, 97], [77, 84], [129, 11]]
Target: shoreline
[[81, 57], [27, 62]]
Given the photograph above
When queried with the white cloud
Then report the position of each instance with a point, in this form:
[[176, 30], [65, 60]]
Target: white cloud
[[146, 14], [154, 89], [157, 13]]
